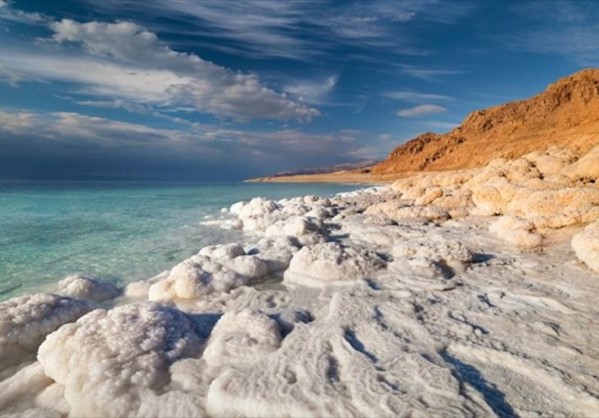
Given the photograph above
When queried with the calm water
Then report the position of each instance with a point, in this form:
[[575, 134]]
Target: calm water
[[116, 231]]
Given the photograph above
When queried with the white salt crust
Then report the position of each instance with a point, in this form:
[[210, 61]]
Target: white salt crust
[[445, 294]]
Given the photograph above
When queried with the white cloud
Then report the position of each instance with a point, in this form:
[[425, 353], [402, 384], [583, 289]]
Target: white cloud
[[124, 61], [312, 91], [385, 137], [11, 14], [421, 110], [414, 97]]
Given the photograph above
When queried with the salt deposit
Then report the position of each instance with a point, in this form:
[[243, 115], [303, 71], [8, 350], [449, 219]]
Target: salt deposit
[[87, 288], [111, 362], [26, 320], [445, 294], [586, 245]]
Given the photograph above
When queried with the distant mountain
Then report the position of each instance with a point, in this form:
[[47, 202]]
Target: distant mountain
[[361, 165], [566, 114]]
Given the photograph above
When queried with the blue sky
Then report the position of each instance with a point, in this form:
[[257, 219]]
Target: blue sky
[[224, 90]]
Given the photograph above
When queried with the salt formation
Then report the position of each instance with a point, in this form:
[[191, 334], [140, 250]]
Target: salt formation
[[330, 264], [518, 232], [586, 245], [83, 287], [445, 294], [541, 190], [240, 338], [115, 363], [26, 320], [218, 268]]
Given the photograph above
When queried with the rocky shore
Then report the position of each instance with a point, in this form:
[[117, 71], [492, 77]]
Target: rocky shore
[[462, 293]]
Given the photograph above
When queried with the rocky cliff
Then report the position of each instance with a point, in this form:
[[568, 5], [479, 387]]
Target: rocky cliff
[[566, 114]]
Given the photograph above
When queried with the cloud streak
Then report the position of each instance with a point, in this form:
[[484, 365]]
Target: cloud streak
[[414, 97], [298, 30], [421, 110], [567, 28]]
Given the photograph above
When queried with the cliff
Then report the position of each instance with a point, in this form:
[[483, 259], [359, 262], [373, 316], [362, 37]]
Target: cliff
[[566, 114]]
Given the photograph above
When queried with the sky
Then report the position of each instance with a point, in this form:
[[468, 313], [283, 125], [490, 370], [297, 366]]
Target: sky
[[225, 90]]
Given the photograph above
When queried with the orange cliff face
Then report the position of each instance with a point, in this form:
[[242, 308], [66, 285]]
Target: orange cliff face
[[566, 114]]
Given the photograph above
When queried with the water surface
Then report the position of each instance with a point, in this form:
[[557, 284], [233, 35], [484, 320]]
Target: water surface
[[116, 231]]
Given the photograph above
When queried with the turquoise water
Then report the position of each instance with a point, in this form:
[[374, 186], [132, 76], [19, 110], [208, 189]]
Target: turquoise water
[[115, 231]]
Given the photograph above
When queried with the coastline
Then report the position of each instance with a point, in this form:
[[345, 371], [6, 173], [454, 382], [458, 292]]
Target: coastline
[[350, 177], [455, 293]]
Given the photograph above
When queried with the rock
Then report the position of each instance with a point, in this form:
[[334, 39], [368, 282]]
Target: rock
[[84, 287], [518, 232], [331, 264], [26, 320], [241, 337], [586, 245], [112, 362]]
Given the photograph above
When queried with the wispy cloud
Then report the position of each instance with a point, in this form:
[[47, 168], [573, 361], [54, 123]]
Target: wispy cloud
[[14, 15], [566, 28], [312, 91], [421, 110], [429, 73], [125, 61], [414, 97], [300, 30]]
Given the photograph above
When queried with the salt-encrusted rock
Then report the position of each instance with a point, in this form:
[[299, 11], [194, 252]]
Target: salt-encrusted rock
[[202, 275], [276, 251], [398, 211], [433, 249], [223, 252], [255, 207], [112, 362], [84, 287], [557, 208], [242, 337], [331, 264], [137, 290], [518, 232], [429, 196], [255, 215], [248, 266], [551, 161], [520, 170], [195, 278], [26, 320], [306, 230], [586, 245], [36, 390], [586, 168], [426, 180], [492, 198]]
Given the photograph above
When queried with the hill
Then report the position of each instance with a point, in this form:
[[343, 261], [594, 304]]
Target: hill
[[566, 114]]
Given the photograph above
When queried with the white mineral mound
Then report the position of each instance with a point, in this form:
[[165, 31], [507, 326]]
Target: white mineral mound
[[84, 287], [26, 320]]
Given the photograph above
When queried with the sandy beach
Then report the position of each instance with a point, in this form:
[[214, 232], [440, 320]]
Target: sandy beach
[[463, 293]]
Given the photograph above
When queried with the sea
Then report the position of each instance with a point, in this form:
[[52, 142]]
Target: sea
[[117, 231]]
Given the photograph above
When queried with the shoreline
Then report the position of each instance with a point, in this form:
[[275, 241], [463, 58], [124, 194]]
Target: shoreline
[[350, 177], [453, 293]]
